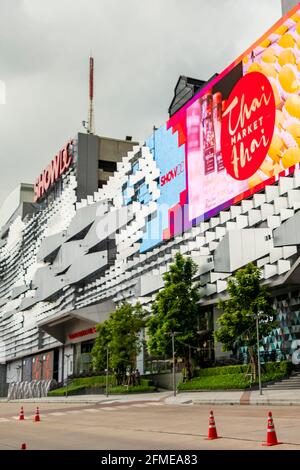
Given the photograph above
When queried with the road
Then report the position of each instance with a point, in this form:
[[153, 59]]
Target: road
[[145, 426]]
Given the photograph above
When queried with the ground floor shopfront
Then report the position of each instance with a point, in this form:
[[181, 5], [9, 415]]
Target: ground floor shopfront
[[71, 358], [74, 356]]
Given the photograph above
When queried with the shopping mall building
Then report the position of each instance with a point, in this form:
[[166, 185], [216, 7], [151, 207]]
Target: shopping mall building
[[219, 181]]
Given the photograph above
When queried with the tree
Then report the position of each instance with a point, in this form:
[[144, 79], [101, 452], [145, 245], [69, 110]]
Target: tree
[[247, 297], [120, 334], [176, 309]]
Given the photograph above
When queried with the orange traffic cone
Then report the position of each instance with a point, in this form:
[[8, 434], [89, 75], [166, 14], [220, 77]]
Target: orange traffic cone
[[271, 433], [23, 446], [212, 430], [37, 415], [22, 417]]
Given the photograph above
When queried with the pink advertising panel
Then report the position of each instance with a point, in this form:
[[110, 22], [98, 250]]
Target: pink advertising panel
[[242, 130]]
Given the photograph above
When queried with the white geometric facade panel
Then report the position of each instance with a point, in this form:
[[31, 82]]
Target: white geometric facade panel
[[68, 256]]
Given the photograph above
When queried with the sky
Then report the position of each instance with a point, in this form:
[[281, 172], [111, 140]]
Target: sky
[[140, 48]]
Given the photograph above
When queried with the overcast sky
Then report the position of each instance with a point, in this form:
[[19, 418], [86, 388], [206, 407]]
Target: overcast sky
[[140, 48]]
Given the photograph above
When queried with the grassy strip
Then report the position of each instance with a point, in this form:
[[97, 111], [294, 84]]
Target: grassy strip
[[83, 383], [60, 392], [227, 382]]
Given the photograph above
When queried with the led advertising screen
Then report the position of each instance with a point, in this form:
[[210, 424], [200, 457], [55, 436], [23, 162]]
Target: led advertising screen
[[239, 133]]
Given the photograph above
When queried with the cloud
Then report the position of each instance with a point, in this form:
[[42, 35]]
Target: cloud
[[140, 49]]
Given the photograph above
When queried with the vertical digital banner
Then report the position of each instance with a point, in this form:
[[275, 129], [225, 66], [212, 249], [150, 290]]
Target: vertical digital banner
[[170, 159]]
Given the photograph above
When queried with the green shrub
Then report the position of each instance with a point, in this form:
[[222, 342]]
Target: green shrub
[[235, 377], [98, 381], [215, 382], [225, 370], [283, 367], [146, 382]]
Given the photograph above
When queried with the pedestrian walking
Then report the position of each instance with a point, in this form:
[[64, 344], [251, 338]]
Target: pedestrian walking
[[137, 376]]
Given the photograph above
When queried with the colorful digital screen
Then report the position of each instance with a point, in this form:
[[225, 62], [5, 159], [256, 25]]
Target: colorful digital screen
[[238, 134]]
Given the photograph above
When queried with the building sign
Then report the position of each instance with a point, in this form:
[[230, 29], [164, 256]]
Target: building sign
[[247, 125], [171, 174], [81, 333], [54, 171], [240, 133]]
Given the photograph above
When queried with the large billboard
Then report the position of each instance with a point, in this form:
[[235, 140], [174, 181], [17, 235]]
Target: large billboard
[[239, 133]]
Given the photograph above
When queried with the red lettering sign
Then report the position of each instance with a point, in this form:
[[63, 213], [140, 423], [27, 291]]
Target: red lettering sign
[[247, 125], [53, 172], [78, 334], [172, 174]]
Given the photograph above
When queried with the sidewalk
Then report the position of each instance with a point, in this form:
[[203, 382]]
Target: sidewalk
[[269, 397], [157, 396]]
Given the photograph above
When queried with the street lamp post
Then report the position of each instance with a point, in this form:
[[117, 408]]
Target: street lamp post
[[173, 355], [106, 372], [173, 334], [257, 316], [258, 354]]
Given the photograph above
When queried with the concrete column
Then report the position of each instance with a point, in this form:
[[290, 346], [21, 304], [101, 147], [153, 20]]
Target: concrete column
[[68, 360], [14, 371], [3, 387]]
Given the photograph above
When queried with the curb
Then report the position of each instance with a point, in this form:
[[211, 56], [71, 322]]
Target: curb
[[94, 399], [252, 402]]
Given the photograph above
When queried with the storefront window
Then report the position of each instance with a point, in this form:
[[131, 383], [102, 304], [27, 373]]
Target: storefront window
[[87, 347]]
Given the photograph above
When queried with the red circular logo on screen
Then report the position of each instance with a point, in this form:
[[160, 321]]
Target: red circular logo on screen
[[247, 125]]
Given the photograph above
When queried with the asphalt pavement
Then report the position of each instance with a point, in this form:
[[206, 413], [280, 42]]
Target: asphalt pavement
[[152, 421], [144, 424]]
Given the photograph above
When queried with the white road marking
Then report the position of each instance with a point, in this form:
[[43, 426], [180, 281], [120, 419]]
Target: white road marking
[[108, 408], [139, 405], [57, 413], [3, 420], [155, 403], [91, 410], [74, 411]]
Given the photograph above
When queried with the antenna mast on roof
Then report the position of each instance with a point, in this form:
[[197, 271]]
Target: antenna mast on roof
[[90, 126]]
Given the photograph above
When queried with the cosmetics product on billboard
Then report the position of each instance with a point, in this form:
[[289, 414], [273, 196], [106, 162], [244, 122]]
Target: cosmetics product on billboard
[[192, 120], [208, 133], [217, 115]]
